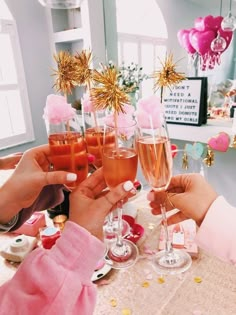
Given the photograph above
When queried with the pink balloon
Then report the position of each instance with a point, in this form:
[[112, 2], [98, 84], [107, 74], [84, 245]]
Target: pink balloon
[[227, 36], [201, 41], [208, 23], [212, 23], [180, 35], [183, 37], [198, 24]]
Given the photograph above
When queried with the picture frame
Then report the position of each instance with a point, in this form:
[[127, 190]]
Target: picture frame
[[186, 102]]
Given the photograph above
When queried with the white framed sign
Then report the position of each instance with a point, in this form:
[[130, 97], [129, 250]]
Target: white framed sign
[[186, 102]]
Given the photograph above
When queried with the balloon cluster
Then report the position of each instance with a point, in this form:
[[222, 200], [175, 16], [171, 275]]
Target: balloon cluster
[[207, 40]]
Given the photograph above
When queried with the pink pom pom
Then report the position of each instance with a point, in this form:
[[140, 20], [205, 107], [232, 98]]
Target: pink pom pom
[[87, 104], [149, 112], [57, 109]]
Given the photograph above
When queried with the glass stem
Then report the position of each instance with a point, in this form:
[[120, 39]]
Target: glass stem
[[110, 220], [168, 243], [119, 240]]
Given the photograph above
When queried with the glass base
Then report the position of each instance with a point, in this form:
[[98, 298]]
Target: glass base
[[110, 230], [175, 262], [121, 257]]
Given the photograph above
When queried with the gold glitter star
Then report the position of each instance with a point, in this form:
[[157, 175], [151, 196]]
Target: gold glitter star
[[107, 93], [84, 59], [167, 76], [66, 72]]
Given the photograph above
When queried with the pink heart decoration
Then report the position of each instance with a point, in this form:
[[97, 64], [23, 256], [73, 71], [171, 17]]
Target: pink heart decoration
[[201, 41], [212, 23], [198, 24], [219, 142], [183, 38], [208, 23]]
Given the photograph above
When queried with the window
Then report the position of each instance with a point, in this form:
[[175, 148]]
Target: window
[[15, 117], [142, 36]]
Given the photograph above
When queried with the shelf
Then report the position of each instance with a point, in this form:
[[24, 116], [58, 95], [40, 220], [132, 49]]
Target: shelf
[[68, 36], [199, 133]]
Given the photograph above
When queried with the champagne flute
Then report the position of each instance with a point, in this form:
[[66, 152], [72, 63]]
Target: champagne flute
[[120, 161], [154, 151]]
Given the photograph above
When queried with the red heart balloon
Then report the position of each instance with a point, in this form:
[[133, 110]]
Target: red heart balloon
[[201, 41]]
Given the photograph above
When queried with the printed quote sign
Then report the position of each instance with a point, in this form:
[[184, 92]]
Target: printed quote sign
[[186, 102]]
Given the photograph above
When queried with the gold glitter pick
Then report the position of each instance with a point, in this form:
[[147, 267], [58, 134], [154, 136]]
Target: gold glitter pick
[[107, 93], [185, 161], [209, 159], [167, 76], [66, 72], [84, 75]]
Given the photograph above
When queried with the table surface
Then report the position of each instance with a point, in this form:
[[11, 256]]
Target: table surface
[[139, 290]]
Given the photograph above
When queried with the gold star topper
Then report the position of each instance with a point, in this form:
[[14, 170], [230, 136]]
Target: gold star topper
[[84, 60], [107, 93], [167, 76], [66, 73]]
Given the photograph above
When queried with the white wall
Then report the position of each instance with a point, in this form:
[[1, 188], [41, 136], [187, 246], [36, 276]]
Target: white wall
[[33, 34]]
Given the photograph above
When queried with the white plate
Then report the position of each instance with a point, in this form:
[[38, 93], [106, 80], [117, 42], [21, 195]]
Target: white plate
[[98, 274]]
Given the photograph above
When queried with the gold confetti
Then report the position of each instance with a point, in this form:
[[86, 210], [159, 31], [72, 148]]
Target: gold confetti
[[126, 311], [161, 280], [145, 284], [107, 93], [113, 302], [198, 279]]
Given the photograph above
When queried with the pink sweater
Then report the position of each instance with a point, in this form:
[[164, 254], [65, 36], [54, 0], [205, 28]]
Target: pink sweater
[[217, 234], [55, 281]]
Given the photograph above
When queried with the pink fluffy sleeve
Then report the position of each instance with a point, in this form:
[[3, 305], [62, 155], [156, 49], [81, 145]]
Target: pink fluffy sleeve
[[55, 281], [217, 233]]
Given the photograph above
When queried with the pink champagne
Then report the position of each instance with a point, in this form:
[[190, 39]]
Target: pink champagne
[[156, 161], [68, 153], [94, 139], [119, 165]]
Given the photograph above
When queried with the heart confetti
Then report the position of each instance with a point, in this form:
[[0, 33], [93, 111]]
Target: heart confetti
[[194, 150], [220, 142]]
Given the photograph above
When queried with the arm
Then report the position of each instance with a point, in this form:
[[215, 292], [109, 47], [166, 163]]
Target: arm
[[10, 161], [56, 281], [217, 233], [196, 199], [27, 182]]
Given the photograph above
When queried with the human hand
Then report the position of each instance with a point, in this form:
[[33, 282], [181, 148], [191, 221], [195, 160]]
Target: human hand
[[90, 204], [189, 193], [10, 161], [30, 176]]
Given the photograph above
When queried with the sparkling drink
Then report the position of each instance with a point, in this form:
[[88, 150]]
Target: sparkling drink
[[155, 160], [119, 165], [68, 153], [95, 139]]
